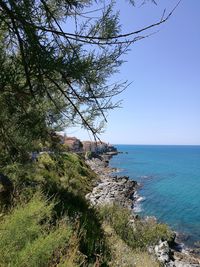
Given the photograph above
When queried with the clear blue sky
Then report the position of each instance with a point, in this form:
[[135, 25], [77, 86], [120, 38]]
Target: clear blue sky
[[162, 105]]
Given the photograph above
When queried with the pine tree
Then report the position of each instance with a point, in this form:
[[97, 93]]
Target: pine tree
[[56, 58]]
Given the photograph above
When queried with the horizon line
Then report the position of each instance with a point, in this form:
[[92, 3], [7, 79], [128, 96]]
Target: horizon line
[[155, 144]]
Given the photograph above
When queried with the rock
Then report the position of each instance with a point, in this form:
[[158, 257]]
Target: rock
[[110, 189], [162, 252], [185, 259]]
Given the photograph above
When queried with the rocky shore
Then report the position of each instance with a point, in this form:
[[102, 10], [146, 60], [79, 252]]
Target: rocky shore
[[112, 189]]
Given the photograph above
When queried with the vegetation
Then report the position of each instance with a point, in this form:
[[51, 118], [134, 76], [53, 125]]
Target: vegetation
[[137, 234], [52, 173], [27, 236], [57, 223], [68, 179], [123, 255]]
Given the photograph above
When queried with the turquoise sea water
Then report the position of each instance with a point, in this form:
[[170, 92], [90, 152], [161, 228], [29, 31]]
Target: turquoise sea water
[[170, 179]]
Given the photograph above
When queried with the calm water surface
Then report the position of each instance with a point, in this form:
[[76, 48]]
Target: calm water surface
[[170, 178]]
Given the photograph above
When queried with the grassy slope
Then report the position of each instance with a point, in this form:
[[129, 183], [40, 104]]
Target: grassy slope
[[49, 222], [123, 255]]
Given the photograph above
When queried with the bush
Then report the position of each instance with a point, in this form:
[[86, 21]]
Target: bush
[[66, 177], [139, 234], [43, 249], [51, 173], [26, 236], [150, 232]]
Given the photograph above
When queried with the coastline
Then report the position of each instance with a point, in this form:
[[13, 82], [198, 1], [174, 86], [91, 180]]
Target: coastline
[[122, 190], [110, 189]]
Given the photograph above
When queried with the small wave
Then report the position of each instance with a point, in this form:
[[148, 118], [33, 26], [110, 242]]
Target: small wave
[[147, 177], [116, 170], [135, 195], [138, 198], [137, 207], [141, 199]]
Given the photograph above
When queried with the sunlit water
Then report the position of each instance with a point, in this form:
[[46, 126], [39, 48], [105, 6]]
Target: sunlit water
[[170, 179]]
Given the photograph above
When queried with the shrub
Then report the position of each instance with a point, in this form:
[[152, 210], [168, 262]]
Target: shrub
[[43, 249], [66, 177], [139, 234], [52, 172], [26, 236], [150, 232]]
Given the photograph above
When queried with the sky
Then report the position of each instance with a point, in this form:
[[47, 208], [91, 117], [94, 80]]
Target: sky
[[162, 105]]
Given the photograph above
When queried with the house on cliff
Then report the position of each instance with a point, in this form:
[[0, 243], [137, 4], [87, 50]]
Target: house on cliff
[[73, 143], [95, 147]]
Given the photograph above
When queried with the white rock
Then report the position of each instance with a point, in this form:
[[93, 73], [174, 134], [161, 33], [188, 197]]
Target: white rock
[[162, 251]]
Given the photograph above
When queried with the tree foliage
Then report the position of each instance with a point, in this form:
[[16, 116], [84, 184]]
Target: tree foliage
[[56, 58]]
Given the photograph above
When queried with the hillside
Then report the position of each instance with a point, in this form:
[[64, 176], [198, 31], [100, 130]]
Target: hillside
[[46, 220]]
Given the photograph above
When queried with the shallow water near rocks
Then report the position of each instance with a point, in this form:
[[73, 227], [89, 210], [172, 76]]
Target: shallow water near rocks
[[170, 184]]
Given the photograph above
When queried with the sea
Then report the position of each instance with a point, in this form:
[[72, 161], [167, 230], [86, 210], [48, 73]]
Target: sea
[[169, 178]]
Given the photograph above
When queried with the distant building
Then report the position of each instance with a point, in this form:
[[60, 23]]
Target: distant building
[[102, 147], [96, 147], [73, 143], [89, 146]]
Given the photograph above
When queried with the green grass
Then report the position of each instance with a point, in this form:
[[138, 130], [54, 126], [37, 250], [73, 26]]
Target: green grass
[[27, 238], [45, 248], [139, 234], [123, 255], [51, 173], [66, 178]]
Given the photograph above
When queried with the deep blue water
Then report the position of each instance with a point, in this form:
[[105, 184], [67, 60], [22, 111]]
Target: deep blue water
[[170, 179]]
